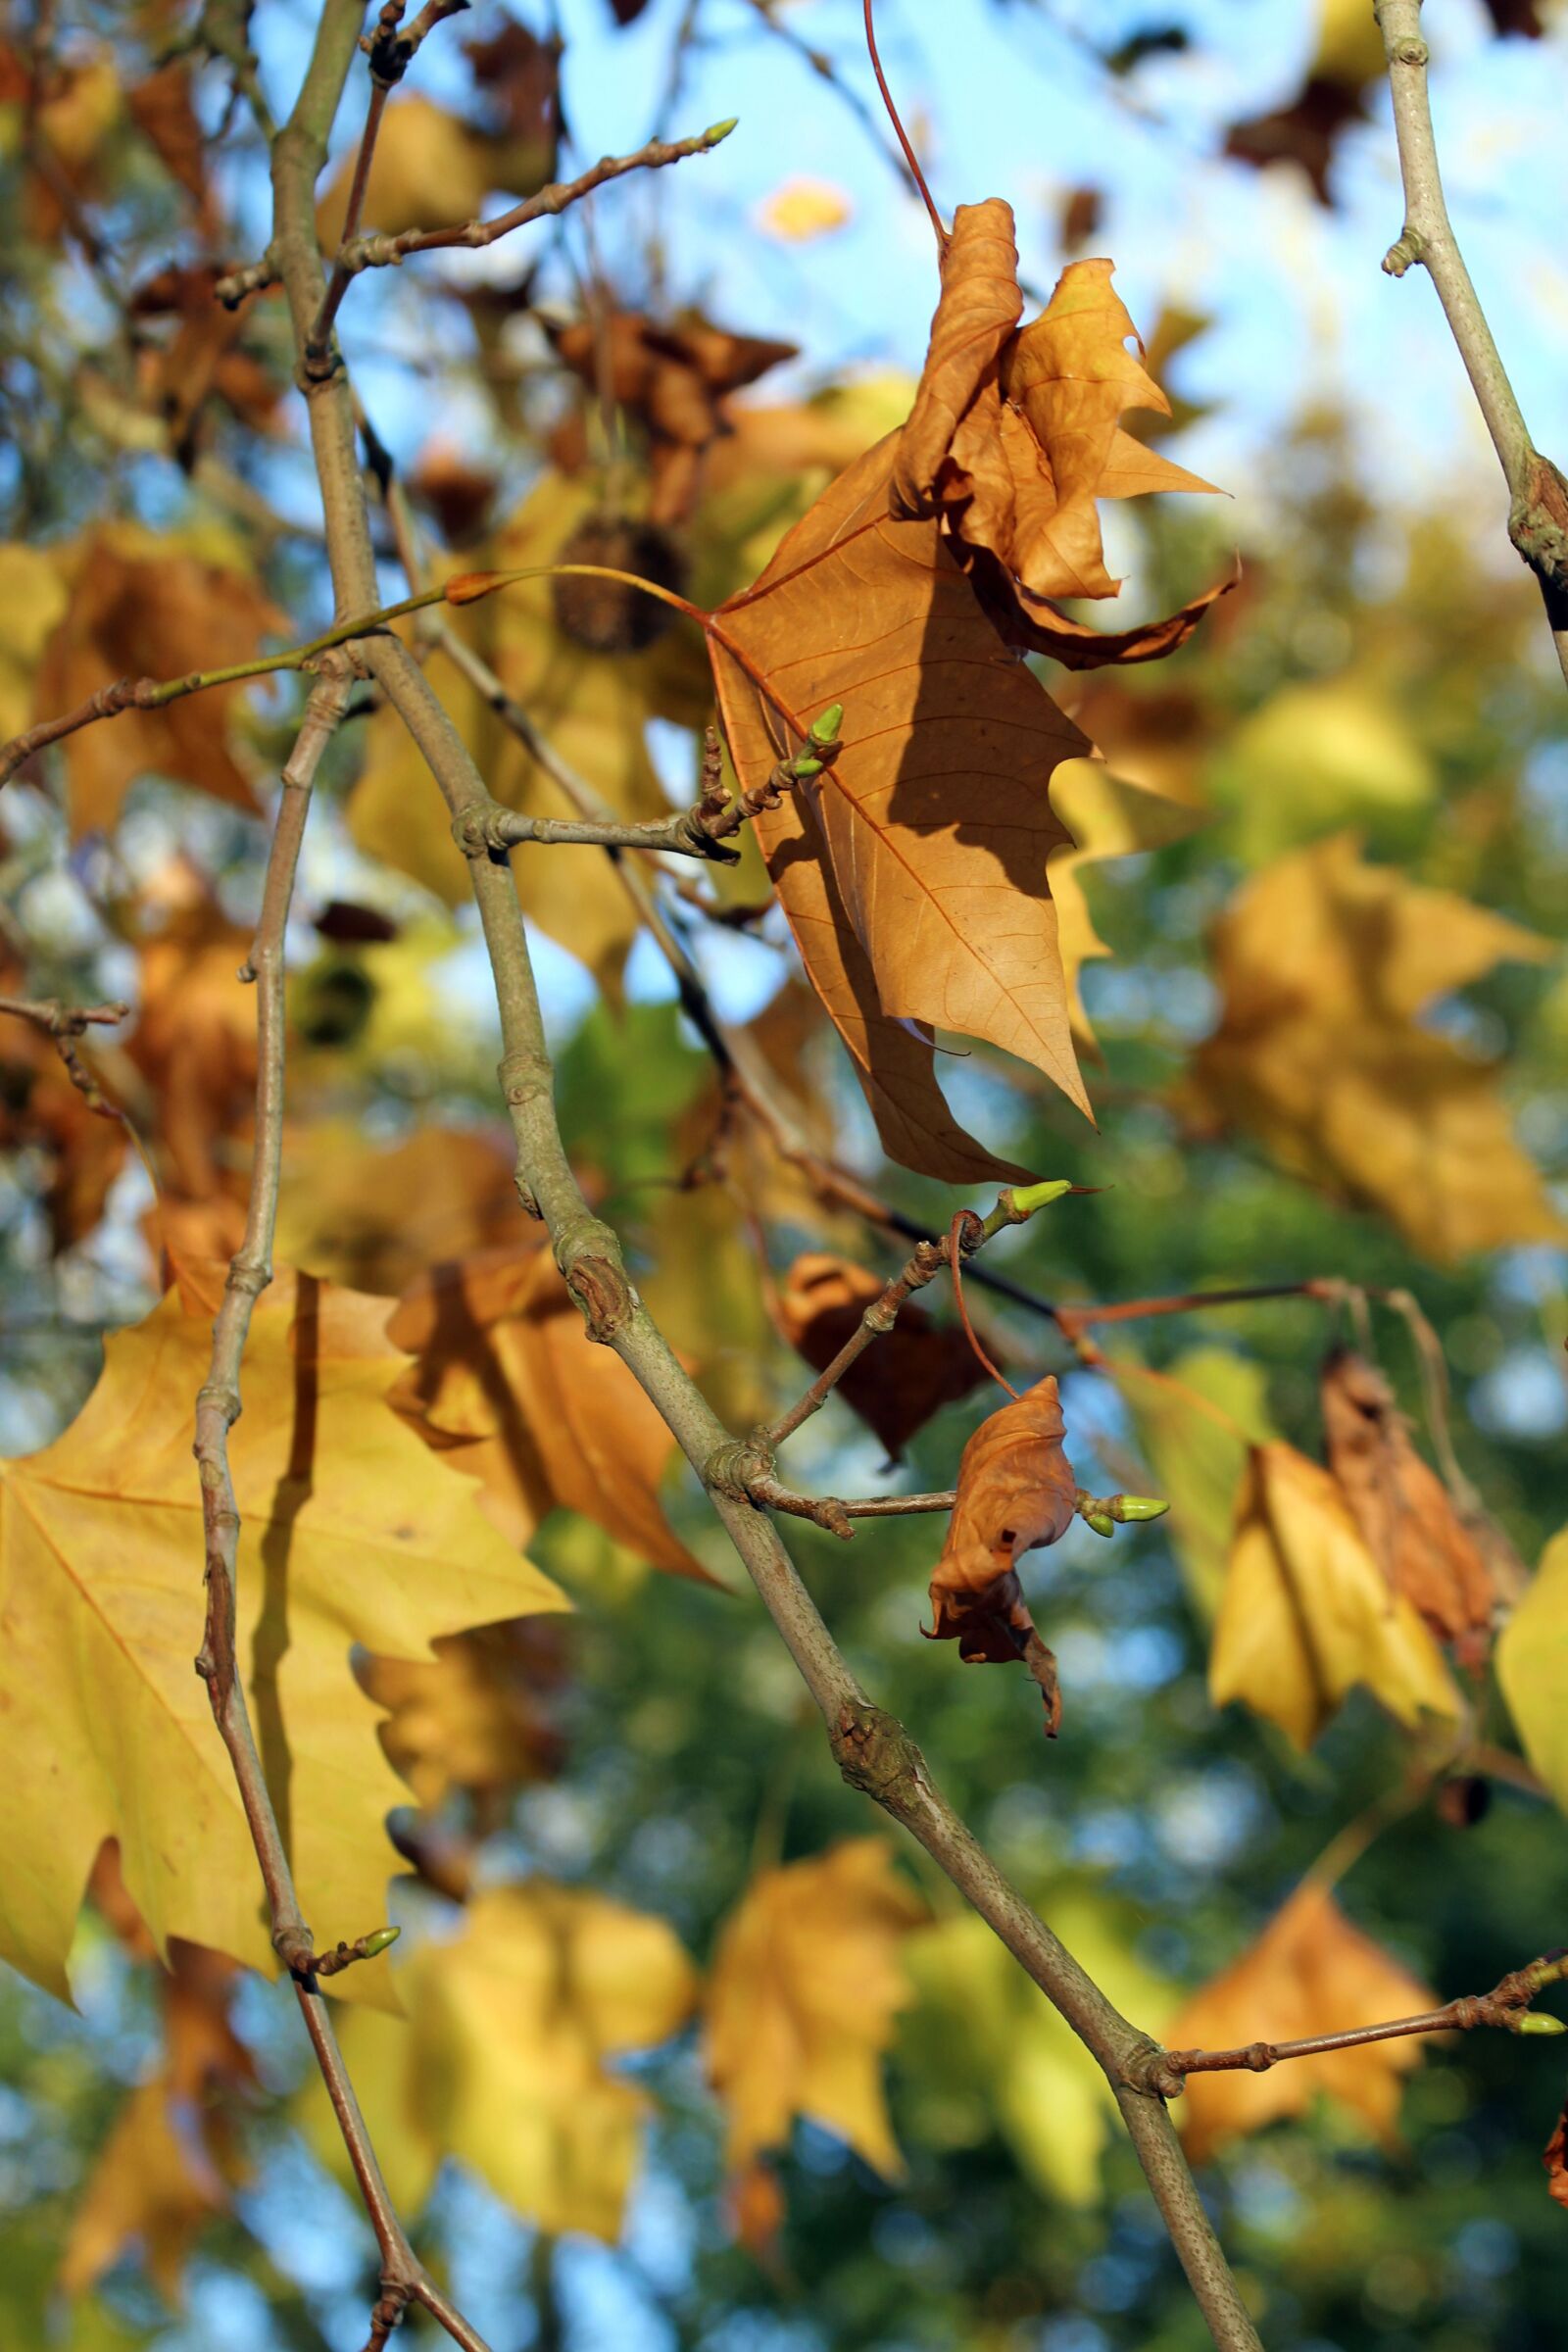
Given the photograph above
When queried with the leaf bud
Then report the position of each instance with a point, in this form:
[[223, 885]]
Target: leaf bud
[[1142, 1506], [1101, 1521], [825, 728], [1539, 2021]]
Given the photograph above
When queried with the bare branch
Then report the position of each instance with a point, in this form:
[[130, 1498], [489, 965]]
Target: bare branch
[[63, 1024], [1537, 513], [1506, 2006], [384, 252]]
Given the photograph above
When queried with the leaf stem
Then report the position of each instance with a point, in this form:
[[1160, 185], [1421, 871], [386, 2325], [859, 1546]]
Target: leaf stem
[[909, 156]]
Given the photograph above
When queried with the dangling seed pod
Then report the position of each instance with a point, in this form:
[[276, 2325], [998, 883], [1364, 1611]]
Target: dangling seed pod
[[606, 615]]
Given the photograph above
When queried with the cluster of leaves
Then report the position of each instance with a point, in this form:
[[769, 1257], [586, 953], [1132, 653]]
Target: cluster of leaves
[[433, 1457]]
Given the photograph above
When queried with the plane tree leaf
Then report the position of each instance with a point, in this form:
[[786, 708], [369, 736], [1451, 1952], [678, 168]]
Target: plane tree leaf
[[100, 1607]]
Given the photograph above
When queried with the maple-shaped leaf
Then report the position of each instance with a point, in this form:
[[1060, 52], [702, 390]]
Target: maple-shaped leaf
[[1403, 1508], [144, 606], [510, 1389], [983, 2038], [591, 708], [1325, 963], [806, 1979], [1016, 432], [1017, 1490], [194, 1041], [79, 1152], [512, 2028], [155, 2185], [1108, 817], [172, 2154], [912, 871], [906, 1376], [674, 377], [351, 1531], [1533, 1668], [1307, 1614], [1309, 1972], [479, 1719], [374, 1217], [1194, 1422]]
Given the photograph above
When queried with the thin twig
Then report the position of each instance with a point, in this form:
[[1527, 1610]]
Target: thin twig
[[298, 155], [1506, 2006], [64, 1025], [391, 52], [389, 251], [1537, 512]]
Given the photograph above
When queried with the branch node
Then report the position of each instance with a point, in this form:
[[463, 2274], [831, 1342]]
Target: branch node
[[526, 1077], [603, 1292], [875, 1754], [733, 1468], [1409, 246], [477, 830]]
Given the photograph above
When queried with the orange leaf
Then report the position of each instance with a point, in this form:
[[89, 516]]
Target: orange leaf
[[1403, 1508], [1015, 1490], [1310, 1971], [1555, 2157], [1016, 432], [913, 871], [510, 1389]]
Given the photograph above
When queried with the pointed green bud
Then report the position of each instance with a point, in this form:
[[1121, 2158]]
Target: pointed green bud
[[1101, 1521], [805, 767], [1142, 1506], [382, 1940], [825, 728], [1539, 2021], [1027, 1198], [718, 131]]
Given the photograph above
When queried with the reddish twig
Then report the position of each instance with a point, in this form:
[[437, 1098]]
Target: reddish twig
[[1506, 2006], [958, 1244], [909, 156]]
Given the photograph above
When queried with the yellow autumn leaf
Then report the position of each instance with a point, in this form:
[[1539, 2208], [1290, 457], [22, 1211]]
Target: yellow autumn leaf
[[510, 2028], [1307, 1614], [100, 1617], [984, 2045], [156, 2182], [1325, 963], [1533, 1668], [1318, 754], [32, 599], [429, 171], [801, 210], [1309, 1972], [806, 1982], [1194, 1422], [1107, 817]]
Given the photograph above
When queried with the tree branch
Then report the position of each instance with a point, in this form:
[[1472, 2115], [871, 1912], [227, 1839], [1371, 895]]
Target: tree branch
[[1537, 513], [384, 252], [65, 1024], [873, 1751], [1506, 2005]]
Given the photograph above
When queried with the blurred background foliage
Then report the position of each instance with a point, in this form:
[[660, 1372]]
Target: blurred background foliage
[[1380, 672]]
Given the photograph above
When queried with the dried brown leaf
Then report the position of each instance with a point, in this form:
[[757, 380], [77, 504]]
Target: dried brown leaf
[[1017, 1490], [1403, 1508], [904, 1377]]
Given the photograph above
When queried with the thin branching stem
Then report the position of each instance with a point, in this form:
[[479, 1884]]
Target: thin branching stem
[[1537, 513]]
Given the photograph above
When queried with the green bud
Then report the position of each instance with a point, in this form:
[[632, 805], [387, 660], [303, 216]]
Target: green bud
[[825, 729], [1027, 1198], [805, 767], [1100, 1522], [382, 1940], [1142, 1506], [1539, 2021], [718, 131]]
